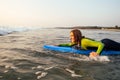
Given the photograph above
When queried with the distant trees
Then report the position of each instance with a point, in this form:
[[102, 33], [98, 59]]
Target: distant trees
[[90, 27], [116, 27]]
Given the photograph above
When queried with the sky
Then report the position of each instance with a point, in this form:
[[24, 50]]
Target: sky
[[59, 13]]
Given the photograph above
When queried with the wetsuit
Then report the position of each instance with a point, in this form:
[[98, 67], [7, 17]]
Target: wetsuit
[[106, 44], [111, 45], [87, 43]]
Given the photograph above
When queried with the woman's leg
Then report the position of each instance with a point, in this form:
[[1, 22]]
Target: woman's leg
[[110, 44]]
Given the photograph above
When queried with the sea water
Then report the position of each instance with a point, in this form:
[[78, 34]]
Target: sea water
[[23, 57]]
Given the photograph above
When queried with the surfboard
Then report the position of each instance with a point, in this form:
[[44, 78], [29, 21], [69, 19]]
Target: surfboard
[[72, 50]]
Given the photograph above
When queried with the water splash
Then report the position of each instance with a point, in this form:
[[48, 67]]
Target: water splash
[[87, 58], [101, 58]]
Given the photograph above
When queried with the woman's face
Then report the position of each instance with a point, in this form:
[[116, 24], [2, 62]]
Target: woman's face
[[72, 38]]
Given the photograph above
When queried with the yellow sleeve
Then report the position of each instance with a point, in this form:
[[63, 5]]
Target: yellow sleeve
[[91, 43]]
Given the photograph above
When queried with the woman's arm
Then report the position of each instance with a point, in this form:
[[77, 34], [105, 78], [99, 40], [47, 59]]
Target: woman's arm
[[66, 44], [100, 47]]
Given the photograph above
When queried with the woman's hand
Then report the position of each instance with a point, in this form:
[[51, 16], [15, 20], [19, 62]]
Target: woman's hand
[[93, 54]]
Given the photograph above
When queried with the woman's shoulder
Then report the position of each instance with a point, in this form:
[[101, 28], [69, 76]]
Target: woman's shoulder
[[85, 39], [88, 40]]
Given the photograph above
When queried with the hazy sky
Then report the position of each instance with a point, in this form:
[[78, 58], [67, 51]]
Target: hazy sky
[[57, 13]]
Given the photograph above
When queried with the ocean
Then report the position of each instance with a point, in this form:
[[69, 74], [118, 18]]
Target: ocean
[[22, 56]]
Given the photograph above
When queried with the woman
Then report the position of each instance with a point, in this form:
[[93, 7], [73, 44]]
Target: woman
[[86, 43]]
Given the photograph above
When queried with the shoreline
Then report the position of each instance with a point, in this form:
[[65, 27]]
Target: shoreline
[[92, 28]]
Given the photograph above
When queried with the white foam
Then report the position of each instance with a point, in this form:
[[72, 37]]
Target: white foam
[[83, 58], [19, 78], [73, 74], [38, 72], [87, 58], [7, 66], [10, 67], [40, 67], [100, 58], [6, 71], [71, 71], [33, 68], [13, 67], [43, 74], [1, 77], [49, 68]]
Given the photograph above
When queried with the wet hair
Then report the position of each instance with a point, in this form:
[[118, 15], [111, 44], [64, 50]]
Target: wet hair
[[77, 35]]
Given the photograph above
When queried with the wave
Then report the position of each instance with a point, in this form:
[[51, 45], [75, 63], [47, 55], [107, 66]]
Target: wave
[[8, 30]]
